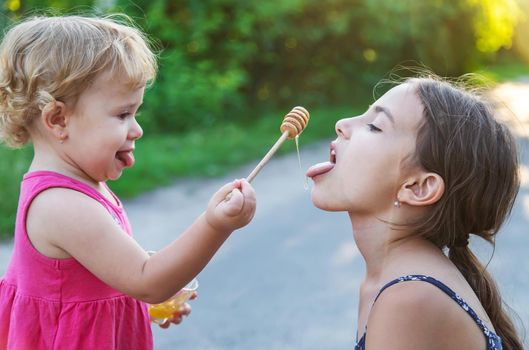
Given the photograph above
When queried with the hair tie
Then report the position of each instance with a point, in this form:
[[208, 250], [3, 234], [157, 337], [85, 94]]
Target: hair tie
[[461, 242]]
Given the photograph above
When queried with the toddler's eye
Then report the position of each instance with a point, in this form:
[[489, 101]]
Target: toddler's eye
[[373, 128], [123, 115]]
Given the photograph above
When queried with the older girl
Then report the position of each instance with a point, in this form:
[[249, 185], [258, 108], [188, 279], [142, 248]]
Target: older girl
[[425, 167]]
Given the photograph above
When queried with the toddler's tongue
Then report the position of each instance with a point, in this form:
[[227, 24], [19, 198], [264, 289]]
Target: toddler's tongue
[[126, 157], [320, 168]]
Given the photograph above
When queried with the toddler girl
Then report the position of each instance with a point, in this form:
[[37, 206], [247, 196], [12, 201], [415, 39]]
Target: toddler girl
[[77, 280]]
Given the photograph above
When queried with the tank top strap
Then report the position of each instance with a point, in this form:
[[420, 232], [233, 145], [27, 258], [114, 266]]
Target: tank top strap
[[492, 339], [447, 290]]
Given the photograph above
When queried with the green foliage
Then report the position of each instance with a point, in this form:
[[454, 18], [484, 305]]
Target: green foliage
[[493, 23], [224, 64], [225, 60], [13, 164], [228, 60], [504, 71]]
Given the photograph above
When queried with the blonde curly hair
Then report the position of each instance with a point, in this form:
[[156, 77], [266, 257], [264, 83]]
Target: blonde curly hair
[[48, 59]]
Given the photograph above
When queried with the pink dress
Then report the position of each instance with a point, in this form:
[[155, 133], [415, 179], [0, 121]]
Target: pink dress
[[50, 303]]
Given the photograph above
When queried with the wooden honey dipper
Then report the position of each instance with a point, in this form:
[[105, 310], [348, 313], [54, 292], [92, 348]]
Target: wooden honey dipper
[[293, 124]]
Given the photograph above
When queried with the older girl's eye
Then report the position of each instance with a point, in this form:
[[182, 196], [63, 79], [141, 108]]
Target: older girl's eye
[[373, 128]]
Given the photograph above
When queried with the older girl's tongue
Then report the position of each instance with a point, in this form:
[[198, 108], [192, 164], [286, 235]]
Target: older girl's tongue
[[319, 169]]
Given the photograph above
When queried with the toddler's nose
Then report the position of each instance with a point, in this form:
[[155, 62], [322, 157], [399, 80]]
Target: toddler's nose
[[135, 131]]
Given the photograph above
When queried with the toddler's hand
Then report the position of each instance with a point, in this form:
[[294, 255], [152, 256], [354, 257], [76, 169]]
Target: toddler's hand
[[178, 316], [228, 213]]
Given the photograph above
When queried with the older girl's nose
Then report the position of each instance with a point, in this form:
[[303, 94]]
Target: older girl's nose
[[343, 127]]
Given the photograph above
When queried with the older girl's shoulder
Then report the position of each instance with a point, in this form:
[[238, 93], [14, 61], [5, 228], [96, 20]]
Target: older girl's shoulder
[[418, 315]]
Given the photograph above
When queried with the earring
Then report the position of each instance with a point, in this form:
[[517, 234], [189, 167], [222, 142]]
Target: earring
[[62, 138], [396, 204]]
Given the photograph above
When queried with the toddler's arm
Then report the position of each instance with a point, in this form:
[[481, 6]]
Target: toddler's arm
[[185, 257], [78, 226]]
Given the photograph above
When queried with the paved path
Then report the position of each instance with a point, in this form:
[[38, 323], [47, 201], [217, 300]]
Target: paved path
[[289, 279]]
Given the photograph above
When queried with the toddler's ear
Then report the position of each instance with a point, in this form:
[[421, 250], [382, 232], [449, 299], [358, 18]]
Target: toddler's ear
[[55, 120], [423, 190]]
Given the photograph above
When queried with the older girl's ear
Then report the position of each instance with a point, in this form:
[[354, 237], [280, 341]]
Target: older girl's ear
[[423, 190], [55, 120]]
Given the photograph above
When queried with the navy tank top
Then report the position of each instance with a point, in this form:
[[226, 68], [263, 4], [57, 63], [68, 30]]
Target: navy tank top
[[493, 340]]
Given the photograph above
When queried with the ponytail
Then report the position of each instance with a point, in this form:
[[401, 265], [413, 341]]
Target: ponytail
[[487, 292], [476, 155]]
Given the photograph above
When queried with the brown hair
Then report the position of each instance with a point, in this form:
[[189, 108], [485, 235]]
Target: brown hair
[[477, 158], [48, 59]]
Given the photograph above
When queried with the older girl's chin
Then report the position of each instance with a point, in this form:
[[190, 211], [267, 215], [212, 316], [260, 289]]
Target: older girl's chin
[[320, 201]]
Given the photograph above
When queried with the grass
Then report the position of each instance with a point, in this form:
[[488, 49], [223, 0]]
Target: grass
[[161, 159], [213, 152], [501, 72], [13, 165]]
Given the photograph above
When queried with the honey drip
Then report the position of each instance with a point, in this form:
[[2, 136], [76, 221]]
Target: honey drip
[[306, 184]]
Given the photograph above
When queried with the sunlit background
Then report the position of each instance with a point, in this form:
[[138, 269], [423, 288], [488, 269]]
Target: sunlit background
[[227, 67], [230, 69], [228, 62], [221, 58]]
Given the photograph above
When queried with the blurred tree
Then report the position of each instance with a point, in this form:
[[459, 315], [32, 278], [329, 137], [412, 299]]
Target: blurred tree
[[228, 59], [494, 23], [521, 44], [206, 48]]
